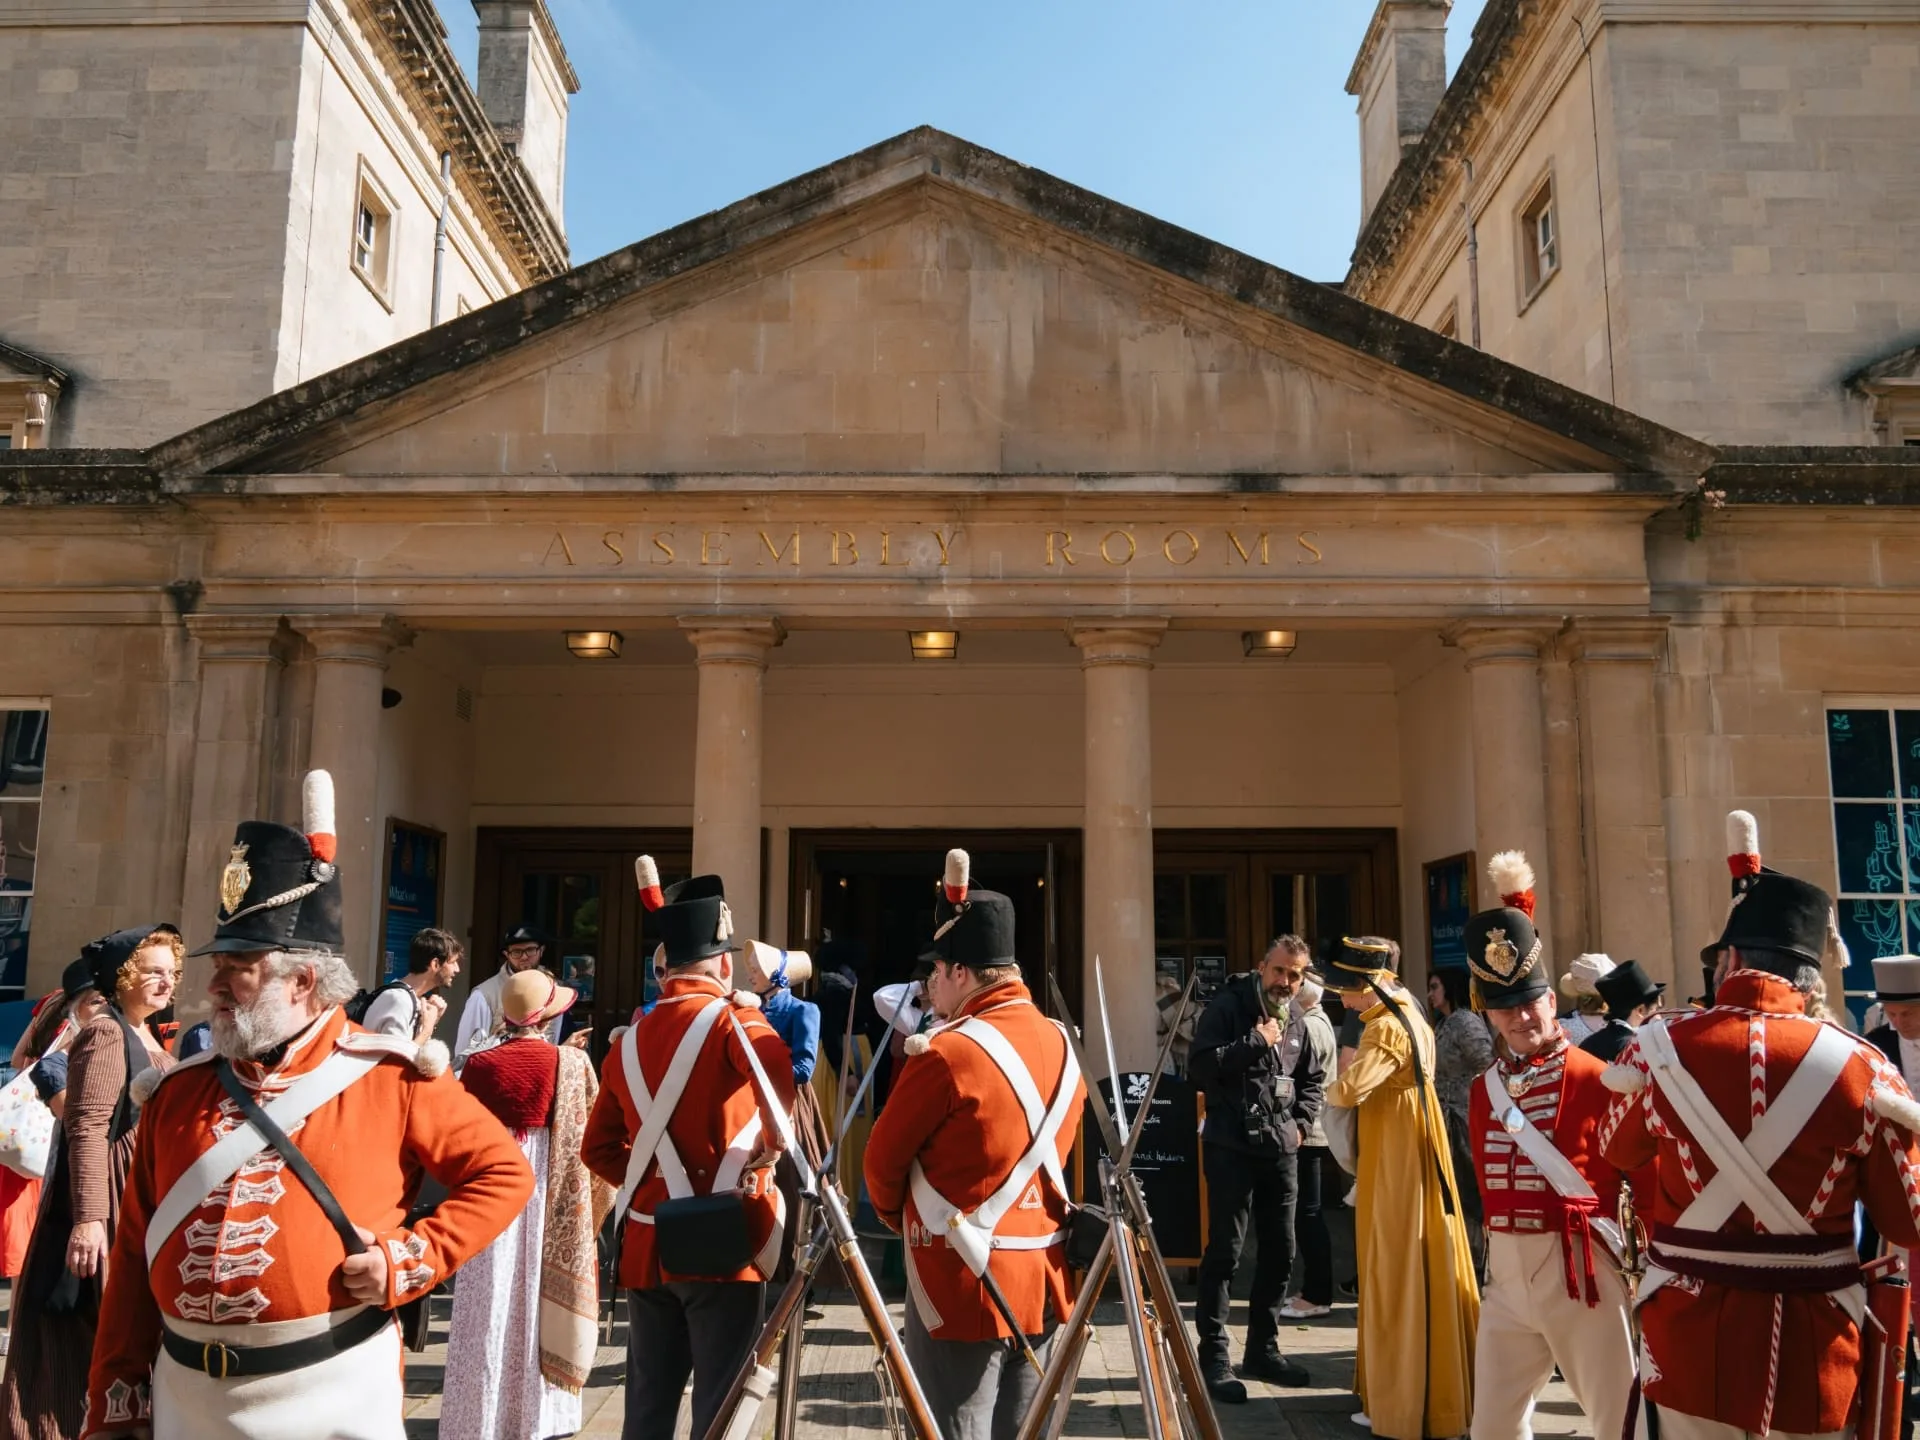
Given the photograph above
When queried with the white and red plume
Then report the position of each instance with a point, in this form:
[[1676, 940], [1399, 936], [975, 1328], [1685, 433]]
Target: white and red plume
[[959, 872], [1512, 880], [316, 812], [646, 874], [1743, 845]]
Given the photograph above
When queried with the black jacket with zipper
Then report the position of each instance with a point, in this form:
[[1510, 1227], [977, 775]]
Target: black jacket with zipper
[[1278, 1087]]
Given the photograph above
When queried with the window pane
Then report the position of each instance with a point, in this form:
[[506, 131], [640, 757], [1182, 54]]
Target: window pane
[[1860, 754], [1871, 928], [1910, 826], [1209, 892], [1169, 907], [1906, 729], [23, 751], [1212, 969], [19, 844], [1869, 854], [1285, 922], [1332, 907], [16, 921]]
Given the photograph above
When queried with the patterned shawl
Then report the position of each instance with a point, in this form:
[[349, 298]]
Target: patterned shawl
[[577, 1204]]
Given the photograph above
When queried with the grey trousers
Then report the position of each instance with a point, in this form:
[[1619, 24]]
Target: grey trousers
[[978, 1389], [702, 1329]]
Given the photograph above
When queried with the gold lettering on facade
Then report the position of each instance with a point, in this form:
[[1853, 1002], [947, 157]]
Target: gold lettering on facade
[[663, 542], [612, 541], [943, 541], [886, 549], [559, 542], [853, 549], [1106, 539], [1307, 545], [1065, 548], [778, 551], [1192, 547], [708, 554], [1246, 554]]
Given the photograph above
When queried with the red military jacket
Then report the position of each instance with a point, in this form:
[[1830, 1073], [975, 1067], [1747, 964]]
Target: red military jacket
[[1711, 1350], [1561, 1092], [955, 1112], [259, 1249], [718, 1103]]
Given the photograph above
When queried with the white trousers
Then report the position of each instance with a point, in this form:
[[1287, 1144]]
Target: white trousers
[[356, 1395], [1528, 1325], [1676, 1426]]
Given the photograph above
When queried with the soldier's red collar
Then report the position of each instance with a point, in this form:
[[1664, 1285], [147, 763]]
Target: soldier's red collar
[[675, 986], [1760, 990], [1007, 992]]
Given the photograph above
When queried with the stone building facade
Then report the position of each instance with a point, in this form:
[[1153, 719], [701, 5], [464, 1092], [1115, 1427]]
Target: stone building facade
[[203, 202]]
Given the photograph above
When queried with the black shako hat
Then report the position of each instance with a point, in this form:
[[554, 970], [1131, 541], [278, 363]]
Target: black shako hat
[[1626, 987], [280, 889], [103, 958], [1779, 912], [972, 927], [695, 923], [1505, 954]]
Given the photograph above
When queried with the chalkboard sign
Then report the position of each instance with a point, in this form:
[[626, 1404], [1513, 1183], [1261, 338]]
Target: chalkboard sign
[[1166, 1162]]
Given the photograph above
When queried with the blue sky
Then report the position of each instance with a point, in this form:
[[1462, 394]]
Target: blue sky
[[1228, 117]]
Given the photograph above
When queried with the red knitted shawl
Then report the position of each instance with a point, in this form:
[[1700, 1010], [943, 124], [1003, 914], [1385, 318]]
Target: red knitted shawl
[[515, 1080]]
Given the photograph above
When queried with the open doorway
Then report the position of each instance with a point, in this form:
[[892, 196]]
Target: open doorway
[[878, 887]]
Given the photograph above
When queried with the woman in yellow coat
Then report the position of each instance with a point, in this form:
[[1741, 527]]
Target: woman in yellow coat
[[1419, 1305]]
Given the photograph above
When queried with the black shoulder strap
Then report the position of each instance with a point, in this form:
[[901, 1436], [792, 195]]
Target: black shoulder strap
[[297, 1162]]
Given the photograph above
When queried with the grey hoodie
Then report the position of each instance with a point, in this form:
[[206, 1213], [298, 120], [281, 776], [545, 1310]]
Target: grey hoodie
[[1321, 1041]]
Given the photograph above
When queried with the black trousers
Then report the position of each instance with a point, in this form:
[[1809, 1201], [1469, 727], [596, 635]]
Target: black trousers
[[1240, 1185], [1310, 1236], [702, 1329]]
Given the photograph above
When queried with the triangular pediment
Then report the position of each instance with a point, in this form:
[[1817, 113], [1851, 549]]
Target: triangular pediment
[[927, 308]]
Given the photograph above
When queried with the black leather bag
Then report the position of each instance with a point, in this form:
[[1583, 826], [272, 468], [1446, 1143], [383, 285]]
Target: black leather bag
[[1086, 1230], [703, 1237]]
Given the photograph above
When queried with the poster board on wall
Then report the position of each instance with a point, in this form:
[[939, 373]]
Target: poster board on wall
[[413, 895], [1449, 890]]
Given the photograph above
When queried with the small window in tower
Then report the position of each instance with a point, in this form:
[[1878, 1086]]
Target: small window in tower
[[373, 238], [1539, 241], [1448, 325]]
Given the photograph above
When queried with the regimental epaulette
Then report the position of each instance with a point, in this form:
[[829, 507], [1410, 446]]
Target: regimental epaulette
[[430, 1059]]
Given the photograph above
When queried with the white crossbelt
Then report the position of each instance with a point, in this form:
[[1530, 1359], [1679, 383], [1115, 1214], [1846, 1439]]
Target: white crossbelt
[[331, 1077], [652, 1142], [972, 1234], [1555, 1168], [1741, 1166]]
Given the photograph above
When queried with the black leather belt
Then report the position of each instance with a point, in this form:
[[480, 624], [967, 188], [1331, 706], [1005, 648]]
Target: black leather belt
[[234, 1362]]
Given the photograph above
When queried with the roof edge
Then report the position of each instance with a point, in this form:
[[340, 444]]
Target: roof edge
[[77, 477], [1824, 475]]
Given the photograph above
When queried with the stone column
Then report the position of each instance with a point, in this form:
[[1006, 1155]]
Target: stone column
[[350, 655], [241, 658], [1509, 751], [1623, 809], [1117, 660], [732, 656]]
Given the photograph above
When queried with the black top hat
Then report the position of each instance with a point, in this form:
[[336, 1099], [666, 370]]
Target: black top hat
[[1779, 912], [695, 923], [1506, 957], [104, 957], [280, 889], [1361, 955], [1626, 987]]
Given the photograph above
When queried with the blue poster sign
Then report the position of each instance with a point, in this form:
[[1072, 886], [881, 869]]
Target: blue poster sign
[[416, 857], [1449, 907]]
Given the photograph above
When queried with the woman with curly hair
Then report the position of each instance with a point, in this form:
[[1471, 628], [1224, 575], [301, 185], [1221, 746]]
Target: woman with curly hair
[[57, 1301]]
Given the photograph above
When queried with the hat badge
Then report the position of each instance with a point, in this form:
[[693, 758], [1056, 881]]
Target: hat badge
[[234, 880], [1502, 955]]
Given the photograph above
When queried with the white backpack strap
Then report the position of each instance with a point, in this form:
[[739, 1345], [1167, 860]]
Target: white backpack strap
[[652, 1141], [331, 1077]]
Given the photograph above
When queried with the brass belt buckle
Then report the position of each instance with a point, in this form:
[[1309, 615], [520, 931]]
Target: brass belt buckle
[[207, 1354]]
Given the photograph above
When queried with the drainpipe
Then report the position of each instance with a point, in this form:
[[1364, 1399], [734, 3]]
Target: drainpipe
[[440, 233], [1473, 255]]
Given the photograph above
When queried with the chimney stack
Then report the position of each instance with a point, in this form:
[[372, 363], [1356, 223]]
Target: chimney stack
[[524, 84], [1399, 77]]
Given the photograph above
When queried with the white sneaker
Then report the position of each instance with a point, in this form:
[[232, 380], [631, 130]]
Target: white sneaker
[[1359, 1417], [1298, 1309]]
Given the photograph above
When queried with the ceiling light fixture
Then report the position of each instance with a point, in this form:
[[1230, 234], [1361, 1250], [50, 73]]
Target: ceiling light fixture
[[1270, 644], [594, 644], [934, 644]]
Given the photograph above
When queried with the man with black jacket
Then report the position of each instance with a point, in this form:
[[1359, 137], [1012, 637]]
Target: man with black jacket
[[1263, 1085]]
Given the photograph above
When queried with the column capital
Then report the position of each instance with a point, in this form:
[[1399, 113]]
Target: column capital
[[353, 639], [1629, 639], [1122, 641], [1493, 642], [239, 637], [732, 639]]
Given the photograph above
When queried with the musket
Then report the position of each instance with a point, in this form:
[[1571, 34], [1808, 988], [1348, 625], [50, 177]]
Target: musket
[[824, 1192]]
